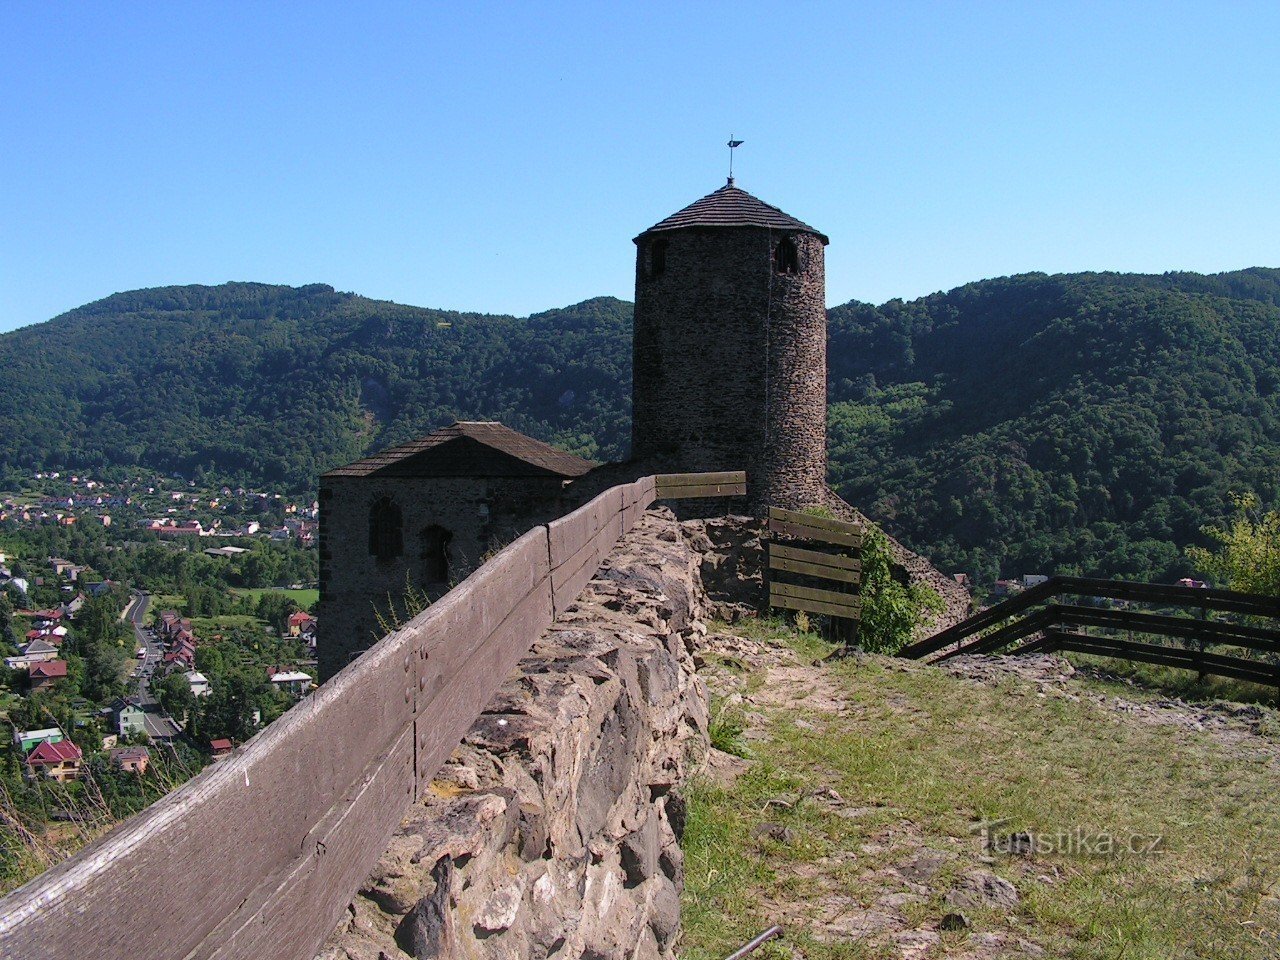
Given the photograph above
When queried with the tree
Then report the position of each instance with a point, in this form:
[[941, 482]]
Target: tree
[[891, 610], [6, 619], [1246, 555]]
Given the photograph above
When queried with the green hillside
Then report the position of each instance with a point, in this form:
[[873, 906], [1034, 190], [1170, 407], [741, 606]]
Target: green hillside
[[1086, 422], [272, 384]]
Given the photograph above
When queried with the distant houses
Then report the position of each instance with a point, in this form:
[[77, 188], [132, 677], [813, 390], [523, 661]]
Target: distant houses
[[131, 759]]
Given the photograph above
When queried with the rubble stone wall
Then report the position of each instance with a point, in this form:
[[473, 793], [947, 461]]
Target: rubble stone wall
[[555, 828]]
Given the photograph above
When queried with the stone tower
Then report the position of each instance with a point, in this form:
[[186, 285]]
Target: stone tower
[[730, 347]]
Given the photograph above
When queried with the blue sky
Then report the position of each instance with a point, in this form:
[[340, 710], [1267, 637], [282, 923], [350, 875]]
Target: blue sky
[[501, 157]]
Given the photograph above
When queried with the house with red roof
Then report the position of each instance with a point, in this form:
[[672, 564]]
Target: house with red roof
[[57, 761], [220, 747], [298, 622], [47, 673]]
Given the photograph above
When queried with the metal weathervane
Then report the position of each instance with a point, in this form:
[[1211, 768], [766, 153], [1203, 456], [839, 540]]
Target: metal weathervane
[[733, 145]]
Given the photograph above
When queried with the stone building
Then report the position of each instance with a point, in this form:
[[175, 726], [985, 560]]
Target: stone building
[[424, 515], [730, 347]]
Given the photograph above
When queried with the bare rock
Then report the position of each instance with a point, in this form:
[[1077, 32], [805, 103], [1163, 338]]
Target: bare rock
[[981, 888]]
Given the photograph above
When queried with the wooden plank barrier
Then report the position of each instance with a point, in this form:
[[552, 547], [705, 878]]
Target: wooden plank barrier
[[673, 486], [824, 558], [271, 843]]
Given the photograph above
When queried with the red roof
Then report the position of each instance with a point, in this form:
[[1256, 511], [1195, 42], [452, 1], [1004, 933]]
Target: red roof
[[60, 752], [47, 615], [220, 744], [300, 617], [49, 669]]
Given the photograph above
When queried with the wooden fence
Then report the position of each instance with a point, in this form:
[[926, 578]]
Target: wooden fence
[[819, 577], [258, 855], [1029, 623]]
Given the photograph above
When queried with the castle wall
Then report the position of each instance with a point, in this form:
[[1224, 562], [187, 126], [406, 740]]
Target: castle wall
[[729, 361]]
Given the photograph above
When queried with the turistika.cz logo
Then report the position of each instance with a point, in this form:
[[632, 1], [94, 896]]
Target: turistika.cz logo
[[1070, 841]]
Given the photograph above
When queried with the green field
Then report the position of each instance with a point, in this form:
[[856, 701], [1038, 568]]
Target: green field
[[306, 599]]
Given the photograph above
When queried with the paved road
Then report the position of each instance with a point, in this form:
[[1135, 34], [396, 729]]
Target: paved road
[[159, 725]]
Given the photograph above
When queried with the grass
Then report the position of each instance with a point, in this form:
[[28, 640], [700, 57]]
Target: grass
[[925, 756], [160, 602], [1159, 680], [306, 599], [209, 627]]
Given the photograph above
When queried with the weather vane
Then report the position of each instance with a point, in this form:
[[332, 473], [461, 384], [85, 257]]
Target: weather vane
[[733, 145]]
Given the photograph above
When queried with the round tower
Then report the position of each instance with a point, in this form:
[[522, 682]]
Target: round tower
[[730, 347]]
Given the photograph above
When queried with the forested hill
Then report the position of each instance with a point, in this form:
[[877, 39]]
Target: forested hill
[[271, 384], [1085, 422], [1026, 424]]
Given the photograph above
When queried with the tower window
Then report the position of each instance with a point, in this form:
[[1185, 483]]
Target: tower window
[[657, 257], [386, 541], [786, 258], [434, 541]]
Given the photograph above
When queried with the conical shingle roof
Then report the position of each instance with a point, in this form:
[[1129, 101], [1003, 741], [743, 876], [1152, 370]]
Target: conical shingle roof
[[731, 206]]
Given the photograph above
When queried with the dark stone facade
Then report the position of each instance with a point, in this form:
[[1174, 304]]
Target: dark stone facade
[[480, 514], [730, 359]]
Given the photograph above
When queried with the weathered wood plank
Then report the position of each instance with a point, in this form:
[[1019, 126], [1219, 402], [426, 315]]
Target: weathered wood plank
[[821, 534], [814, 606], [813, 593], [813, 569], [809, 520], [580, 542], [838, 560], [1235, 667], [306, 900], [699, 479], [705, 490]]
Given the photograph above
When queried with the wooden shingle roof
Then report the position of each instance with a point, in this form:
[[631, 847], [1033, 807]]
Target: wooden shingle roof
[[469, 448], [731, 206]]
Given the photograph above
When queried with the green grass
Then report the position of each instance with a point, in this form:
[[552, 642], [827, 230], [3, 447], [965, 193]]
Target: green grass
[[208, 627], [927, 755], [160, 602], [306, 599]]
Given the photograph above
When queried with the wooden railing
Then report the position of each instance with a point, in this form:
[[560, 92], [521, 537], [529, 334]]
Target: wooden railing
[[1029, 623], [257, 856]]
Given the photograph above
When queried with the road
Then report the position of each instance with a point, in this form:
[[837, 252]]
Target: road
[[159, 725]]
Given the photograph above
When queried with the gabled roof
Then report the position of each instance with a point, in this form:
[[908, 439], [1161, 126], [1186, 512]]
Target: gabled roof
[[48, 752], [49, 669], [469, 448], [732, 207], [39, 645]]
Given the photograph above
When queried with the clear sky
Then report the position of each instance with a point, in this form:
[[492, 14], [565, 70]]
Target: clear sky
[[500, 157]]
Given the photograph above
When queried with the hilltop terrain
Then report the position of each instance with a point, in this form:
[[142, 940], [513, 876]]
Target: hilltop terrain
[[1081, 422]]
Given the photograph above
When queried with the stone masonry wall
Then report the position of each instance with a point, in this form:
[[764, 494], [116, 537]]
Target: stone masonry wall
[[554, 830], [482, 514], [729, 361]]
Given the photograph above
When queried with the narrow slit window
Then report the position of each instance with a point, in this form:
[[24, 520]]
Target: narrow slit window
[[386, 539], [786, 258], [435, 553], [657, 258]]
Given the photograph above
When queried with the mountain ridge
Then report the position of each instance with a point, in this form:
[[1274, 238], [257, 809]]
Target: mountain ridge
[[1037, 421]]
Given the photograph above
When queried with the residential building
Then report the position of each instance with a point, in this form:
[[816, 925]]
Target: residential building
[[131, 759], [26, 740], [47, 674], [57, 761]]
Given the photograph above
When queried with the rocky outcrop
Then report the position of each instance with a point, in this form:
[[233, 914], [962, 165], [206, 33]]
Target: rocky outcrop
[[555, 827]]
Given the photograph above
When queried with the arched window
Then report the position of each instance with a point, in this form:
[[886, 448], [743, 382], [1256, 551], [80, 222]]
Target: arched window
[[786, 258], [385, 538], [434, 554], [657, 257]]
